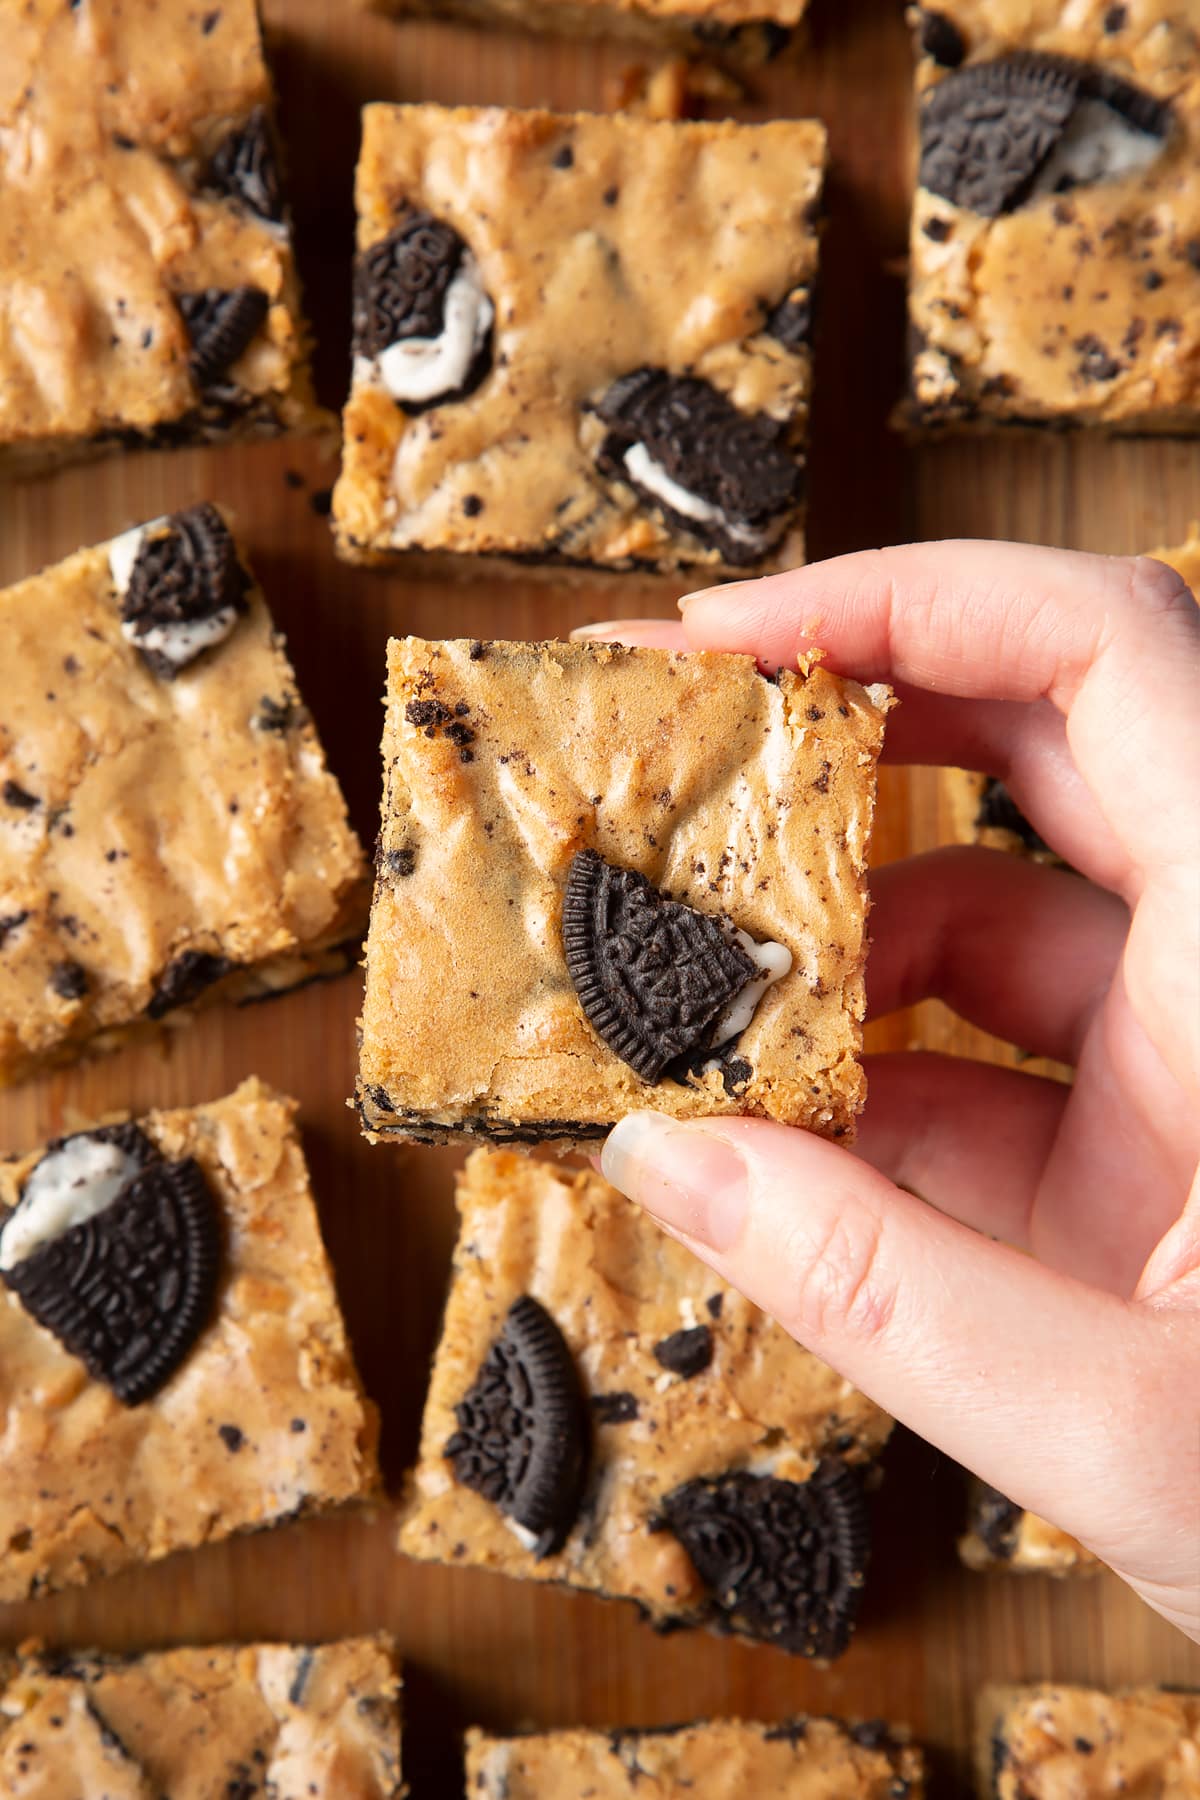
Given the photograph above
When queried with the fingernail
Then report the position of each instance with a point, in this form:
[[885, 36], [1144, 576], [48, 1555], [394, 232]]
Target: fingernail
[[727, 587], [606, 631], [683, 1176]]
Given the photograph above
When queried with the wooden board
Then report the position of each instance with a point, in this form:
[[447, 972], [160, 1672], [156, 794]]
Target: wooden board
[[478, 1648]]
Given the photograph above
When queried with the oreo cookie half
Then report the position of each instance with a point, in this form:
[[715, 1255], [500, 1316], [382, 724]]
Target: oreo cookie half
[[181, 587], [421, 314], [784, 1560], [244, 167], [996, 134], [116, 1252], [522, 1438], [659, 982], [725, 476], [221, 322]]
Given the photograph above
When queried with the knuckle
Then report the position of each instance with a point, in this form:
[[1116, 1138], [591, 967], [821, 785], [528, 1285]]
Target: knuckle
[[840, 1284]]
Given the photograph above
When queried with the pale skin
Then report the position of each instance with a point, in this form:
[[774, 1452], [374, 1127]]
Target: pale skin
[[1036, 1313]]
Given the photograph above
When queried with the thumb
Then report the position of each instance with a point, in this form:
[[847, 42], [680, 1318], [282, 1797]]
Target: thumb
[[1058, 1394]]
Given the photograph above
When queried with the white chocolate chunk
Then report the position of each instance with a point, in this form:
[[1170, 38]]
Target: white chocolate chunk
[[420, 369], [183, 639], [774, 962], [69, 1186], [651, 475], [1097, 145]]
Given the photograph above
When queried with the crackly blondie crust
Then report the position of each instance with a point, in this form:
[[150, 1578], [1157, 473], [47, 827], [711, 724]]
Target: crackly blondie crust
[[722, 1759], [173, 1366], [147, 288], [1055, 248], [1038, 1743], [609, 878], [604, 1412], [581, 339], [740, 31], [168, 829], [318, 1722]]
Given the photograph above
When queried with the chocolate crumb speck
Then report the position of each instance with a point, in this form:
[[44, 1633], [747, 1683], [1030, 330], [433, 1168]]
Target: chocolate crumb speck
[[21, 798], [232, 1437], [69, 980], [610, 196], [476, 651], [321, 501], [472, 505], [293, 478], [299, 1425], [564, 157]]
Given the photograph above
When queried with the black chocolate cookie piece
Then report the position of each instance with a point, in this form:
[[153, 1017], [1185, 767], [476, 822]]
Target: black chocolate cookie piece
[[400, 292], [987, 130], [618, 1408], [130, 1290], [784, 1560], [790, 323], [184, 573], [737, 462], [185, 979], [998, 811], [245, 167], [653, 976], [522, 1438], [220, 324], [941, 39], [687, 1352], [995, 1520]]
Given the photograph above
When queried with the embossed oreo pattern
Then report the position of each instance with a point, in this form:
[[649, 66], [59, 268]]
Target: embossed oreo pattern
[[739, 463], [783, 1560], [221, 323], [245, 167], [653, 976], [130, 1290], [988, 129], [522, 1437], [182, 575]]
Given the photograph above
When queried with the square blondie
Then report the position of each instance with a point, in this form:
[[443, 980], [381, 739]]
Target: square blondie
[[722, 29], [1055, 246], [605, 1413], [721, 1759], [322, 1721], [581, 339], [173, 1364], [169, 832], [610, 878], [148, 293], [1038, 1743]]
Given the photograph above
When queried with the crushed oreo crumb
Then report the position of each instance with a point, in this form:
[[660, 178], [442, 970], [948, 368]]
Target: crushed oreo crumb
[[185, 979], [244, 167], [618, 1408], [686, 1353], [69, 980]]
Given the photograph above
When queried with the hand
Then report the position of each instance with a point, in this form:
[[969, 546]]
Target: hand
[[1069, 1377]]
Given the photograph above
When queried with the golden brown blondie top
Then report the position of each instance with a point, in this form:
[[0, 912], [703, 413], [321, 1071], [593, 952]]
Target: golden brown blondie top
[[722, 1759], [691, 1405], [254, 1413], [147, 287], [527, 784], [1056, 233], [318, 1722], [168, 827], [580, 337]]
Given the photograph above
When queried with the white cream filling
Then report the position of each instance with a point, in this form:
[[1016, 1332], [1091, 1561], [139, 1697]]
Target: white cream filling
[[422, 368], [68, 1187], [527, 1539], [1097, 145], [774, 962], [651, 475], [183, 639]]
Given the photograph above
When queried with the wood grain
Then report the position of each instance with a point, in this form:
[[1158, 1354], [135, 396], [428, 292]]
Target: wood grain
[[477, 1648]]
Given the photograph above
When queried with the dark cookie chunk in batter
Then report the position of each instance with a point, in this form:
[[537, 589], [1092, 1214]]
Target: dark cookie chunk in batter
[[784, 1560], [522, 1438], [221, 323], [686, 1353], [129, 1290], [185, 979], [245, 167], [941, 39], [738, 477], [181, 576]]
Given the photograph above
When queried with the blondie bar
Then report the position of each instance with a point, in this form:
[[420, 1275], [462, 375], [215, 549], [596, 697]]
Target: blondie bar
[[1055, 250], [168, 829], [803, 1759], [741, 33], [173, 1365], [322, 1722], [1039, 1743], [1000, 1535], [580, 339], [613, 878], [605, 1413], [147, 288]]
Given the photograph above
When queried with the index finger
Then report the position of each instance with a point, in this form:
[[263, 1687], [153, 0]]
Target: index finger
[[1112, 642]]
